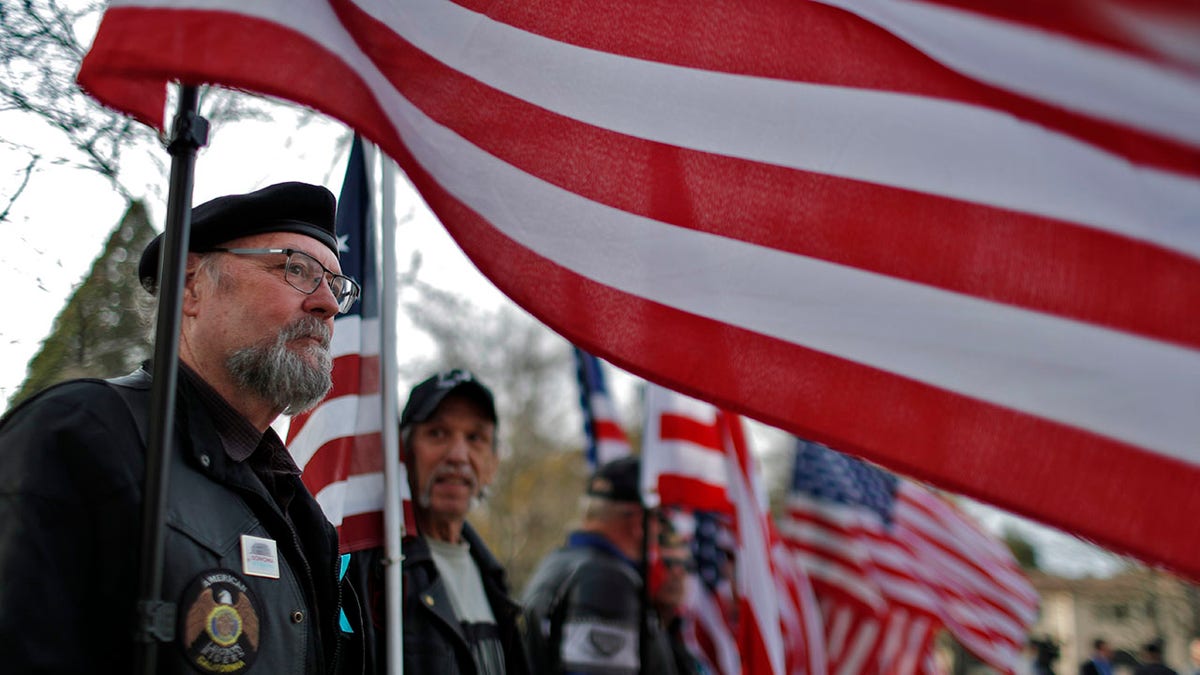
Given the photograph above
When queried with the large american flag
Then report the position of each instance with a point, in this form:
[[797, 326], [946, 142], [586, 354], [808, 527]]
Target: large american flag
[[338, 444], [975, 220], [892, 563]]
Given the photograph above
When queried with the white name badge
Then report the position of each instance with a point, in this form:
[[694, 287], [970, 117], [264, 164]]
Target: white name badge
[[260, 557]]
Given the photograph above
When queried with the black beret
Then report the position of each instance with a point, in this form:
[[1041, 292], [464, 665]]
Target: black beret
[[619, 480], [428, 395], [285, 207]]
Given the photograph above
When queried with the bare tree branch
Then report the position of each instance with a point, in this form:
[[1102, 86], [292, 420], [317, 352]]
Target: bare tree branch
[[26, 173]]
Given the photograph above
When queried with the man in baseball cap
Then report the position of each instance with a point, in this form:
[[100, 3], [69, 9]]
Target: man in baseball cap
[[456, 596], [583, 605]]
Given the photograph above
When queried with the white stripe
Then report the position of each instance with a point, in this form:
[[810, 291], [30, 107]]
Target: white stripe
[[842, 515], [836, 574], [865, 634], [830, 543], [602, 407], [353, 335], [839, 627], [362, 493], [755, 578], [687, 460], [674, 457], [607, 451], [336, 418], [1050, 67], [708, 615]]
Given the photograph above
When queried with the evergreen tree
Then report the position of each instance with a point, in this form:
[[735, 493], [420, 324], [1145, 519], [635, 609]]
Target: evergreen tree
[[100, 331], [1023, 550]]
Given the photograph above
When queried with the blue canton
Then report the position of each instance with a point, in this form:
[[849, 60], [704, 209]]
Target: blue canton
[[833, 477]]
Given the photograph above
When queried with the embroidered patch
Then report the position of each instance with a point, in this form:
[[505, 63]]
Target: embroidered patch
[[219, 623], [605, 642]]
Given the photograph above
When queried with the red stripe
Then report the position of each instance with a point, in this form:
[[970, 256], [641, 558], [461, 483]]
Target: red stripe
[[1030, 261], [681, 491], [361, 531], [342, 457], [851, 52], [673, 426], [355, 374], [352, 375], [608, 430], [137, 51]]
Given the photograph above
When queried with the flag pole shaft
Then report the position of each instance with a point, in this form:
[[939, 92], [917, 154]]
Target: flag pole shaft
[[156, 619], [644, 600], [393, 508]]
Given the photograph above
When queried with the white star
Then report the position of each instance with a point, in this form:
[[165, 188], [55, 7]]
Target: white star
[[341, 242]]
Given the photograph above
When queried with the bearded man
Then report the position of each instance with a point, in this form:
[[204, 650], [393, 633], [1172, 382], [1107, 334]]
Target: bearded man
[[458, 616], [251, 574]]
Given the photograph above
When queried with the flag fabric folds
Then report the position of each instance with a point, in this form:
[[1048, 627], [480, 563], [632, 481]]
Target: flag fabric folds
[[709, 599], [891, 563], [605, 436], [955, 237], [338, 444], [695, 456]]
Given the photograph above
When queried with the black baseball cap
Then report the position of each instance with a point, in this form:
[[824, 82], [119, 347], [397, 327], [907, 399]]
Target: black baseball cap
[[618, 480], [284, 207], [424, 398]]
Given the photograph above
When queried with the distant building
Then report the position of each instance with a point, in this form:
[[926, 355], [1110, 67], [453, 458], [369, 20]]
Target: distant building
[[1128, 609]]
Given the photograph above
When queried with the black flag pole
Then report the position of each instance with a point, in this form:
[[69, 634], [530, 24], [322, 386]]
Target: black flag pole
[[156, 618], [644, 600]]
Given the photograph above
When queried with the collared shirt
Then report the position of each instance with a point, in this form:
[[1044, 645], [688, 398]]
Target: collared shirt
[[267, 455]]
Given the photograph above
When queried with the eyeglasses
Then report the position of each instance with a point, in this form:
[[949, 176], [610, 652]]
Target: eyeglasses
[[305, 274]]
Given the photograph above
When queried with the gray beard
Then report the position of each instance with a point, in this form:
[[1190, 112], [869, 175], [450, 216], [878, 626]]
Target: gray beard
[[278, 375]]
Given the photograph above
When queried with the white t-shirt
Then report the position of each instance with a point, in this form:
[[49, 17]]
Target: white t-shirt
[[464, 585]]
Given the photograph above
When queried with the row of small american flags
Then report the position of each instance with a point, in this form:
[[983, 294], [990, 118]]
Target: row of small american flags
[[859, 574]]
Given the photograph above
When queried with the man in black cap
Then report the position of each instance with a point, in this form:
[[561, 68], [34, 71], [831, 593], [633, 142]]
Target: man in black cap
[[251, 572], [584, 607], [458, 617]]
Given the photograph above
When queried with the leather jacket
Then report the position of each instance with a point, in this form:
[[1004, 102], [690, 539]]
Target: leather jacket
[[584, 609], [433, 639], [70, 525]]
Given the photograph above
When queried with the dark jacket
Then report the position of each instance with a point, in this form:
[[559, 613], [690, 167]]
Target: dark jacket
[[584, 610], [433, 639], [1154, 669], [70, 520]]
